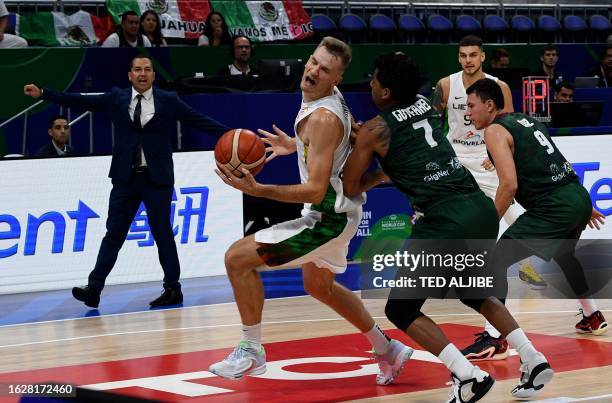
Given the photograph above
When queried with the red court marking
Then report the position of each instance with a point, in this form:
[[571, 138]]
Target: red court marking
[[564, 354]]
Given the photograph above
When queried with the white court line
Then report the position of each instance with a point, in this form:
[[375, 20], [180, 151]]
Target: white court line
[[282, 322], [571, 399], [155, 311]]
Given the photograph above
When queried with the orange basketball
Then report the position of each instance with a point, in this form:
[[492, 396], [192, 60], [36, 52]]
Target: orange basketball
[[240, 148]]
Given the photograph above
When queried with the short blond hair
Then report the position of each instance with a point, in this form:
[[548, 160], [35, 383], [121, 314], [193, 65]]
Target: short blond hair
[[339, 49]]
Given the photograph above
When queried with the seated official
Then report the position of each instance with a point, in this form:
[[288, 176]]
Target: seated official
[[242, 50], [59, 131]]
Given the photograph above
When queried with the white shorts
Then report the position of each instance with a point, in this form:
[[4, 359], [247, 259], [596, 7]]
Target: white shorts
[[488, 183], [487, 180], [318, 238]]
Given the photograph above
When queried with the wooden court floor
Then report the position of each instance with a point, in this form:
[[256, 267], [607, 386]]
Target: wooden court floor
[[95, 340]]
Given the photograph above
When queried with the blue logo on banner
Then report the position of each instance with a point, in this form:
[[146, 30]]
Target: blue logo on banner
[[597, 191], [193, 215]]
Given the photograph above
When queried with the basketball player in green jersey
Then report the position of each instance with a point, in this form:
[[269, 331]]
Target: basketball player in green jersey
[[449, 99], [533, 171], [408, 141]]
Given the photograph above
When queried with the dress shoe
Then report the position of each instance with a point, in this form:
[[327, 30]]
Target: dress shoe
[[170, 296], [87, 295]]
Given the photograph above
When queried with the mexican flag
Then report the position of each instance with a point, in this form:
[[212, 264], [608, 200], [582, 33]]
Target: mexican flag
[[259, 20], [53, 28]]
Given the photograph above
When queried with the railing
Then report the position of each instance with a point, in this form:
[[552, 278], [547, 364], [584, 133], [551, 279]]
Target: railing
[[72, 122]]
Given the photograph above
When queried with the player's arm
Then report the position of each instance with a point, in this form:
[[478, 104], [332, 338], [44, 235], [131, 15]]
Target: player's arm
[[90, 102], [186, 114], [3, 26], [372, 136], [498, 141], [439, 100], [508, 106], [324, 131]]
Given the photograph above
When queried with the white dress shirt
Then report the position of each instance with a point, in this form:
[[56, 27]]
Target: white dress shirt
[[147, 110], [113, 41]]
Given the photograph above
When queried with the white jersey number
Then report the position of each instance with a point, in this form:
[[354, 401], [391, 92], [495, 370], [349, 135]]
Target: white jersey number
[[544, 141], [424, 124]]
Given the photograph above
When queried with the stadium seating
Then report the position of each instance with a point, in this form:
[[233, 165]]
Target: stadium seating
[[322, 23], [441, 27], [382, 27], [467, 24], [354, 27], [411, 26]]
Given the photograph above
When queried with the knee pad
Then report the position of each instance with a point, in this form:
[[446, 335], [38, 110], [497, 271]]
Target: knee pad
[[402, 312]]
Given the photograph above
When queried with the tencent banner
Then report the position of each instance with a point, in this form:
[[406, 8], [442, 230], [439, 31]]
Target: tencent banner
[[591, 159], [53, 214]]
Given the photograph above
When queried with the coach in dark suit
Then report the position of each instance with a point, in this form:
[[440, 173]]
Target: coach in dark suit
[[141, 169]]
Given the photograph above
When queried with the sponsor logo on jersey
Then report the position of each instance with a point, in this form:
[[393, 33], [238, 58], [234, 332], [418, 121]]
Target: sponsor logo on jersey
[[560, 173], [432, 166], [470, 139]]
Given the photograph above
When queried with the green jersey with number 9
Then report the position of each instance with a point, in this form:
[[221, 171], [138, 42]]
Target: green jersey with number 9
[[540, 166], [420, 160]]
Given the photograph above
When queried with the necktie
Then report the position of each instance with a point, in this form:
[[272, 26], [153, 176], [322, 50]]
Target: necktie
[[137, 158]]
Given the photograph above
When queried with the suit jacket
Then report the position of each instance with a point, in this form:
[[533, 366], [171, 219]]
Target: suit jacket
[[48, 150], [155, 136]]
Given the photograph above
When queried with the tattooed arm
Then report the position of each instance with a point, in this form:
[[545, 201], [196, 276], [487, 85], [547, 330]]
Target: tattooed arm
[[373, 137], [440, 95]]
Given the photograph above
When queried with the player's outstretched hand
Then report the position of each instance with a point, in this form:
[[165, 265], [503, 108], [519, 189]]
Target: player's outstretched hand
[[487, 164], [278, 144], [32, 90], [597, 219], [246, 184]]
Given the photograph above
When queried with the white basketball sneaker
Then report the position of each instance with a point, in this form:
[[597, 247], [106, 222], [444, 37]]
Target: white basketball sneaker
[[244, 360], [534, 375], [392, 362], [470, 390]]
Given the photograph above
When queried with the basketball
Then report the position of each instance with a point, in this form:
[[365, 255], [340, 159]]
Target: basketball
[[240, 148]]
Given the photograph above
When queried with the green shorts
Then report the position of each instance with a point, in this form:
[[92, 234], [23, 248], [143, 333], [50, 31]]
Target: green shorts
[[465, 216], [560, 215]]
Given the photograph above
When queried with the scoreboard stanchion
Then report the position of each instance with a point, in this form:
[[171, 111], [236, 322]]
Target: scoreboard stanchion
[[536, 97]]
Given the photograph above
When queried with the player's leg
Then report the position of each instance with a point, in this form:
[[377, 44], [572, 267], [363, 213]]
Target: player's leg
[[241, 261], [490, 344], [390, 354], [593, 321], [535, 369], [470, 383], [488, 183], [527, 272]]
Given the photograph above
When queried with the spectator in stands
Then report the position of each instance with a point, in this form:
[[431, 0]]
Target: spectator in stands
[[564, 92], [549, 59], [216, 31], [59, 131], [604, 70], [500, 59], [242, 50], [150, 26], [127, 34], [8, 40]]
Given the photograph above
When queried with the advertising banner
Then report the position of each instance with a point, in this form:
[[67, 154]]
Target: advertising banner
[[53, 214]]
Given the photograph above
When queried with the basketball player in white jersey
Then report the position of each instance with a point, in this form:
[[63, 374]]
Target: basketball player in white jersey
[[468, 143], [318, 241]]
